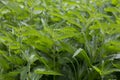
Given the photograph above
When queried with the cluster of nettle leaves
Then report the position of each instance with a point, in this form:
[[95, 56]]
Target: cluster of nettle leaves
[[59, 39]]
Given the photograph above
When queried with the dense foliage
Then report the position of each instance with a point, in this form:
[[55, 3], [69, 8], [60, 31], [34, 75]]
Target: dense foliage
[[59, 39]]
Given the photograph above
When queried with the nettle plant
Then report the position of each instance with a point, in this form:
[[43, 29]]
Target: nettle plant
[[59, 39]]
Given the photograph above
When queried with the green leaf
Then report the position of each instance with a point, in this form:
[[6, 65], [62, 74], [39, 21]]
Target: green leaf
[[117, 65], [113, 46], [82, 54], [4, 64], [20, 0], [34, 76], [115, 2], [77, 52], [32, 58], [106, 72], [97, 69], [111, 9], [66, 32], [23, 74], [46, 72], [45, 61]]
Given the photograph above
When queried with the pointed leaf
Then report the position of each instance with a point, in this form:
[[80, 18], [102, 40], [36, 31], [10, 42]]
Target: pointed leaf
[[46, 72]]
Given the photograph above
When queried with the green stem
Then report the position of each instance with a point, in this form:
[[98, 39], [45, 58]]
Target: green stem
[[54, 63]]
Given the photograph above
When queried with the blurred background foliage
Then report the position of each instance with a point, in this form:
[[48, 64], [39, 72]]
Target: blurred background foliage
[[59, 39]]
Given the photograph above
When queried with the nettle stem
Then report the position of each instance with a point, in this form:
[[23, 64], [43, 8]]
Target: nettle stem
[[54, 62], [102, 77]]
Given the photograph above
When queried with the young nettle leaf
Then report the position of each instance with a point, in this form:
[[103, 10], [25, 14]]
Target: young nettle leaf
[[82, 54], [20, 0], [32, 58], [77, 52], [117, 65], [67, 32], [118, 20], [35, 76], [24, 73], [113, 46], [97, 69], [14, 7], [67, 47], [106, 71], [111, 9], [45, 62], [69, 19], [11, 75], [47, 72], [115, 2], [4, 64]]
